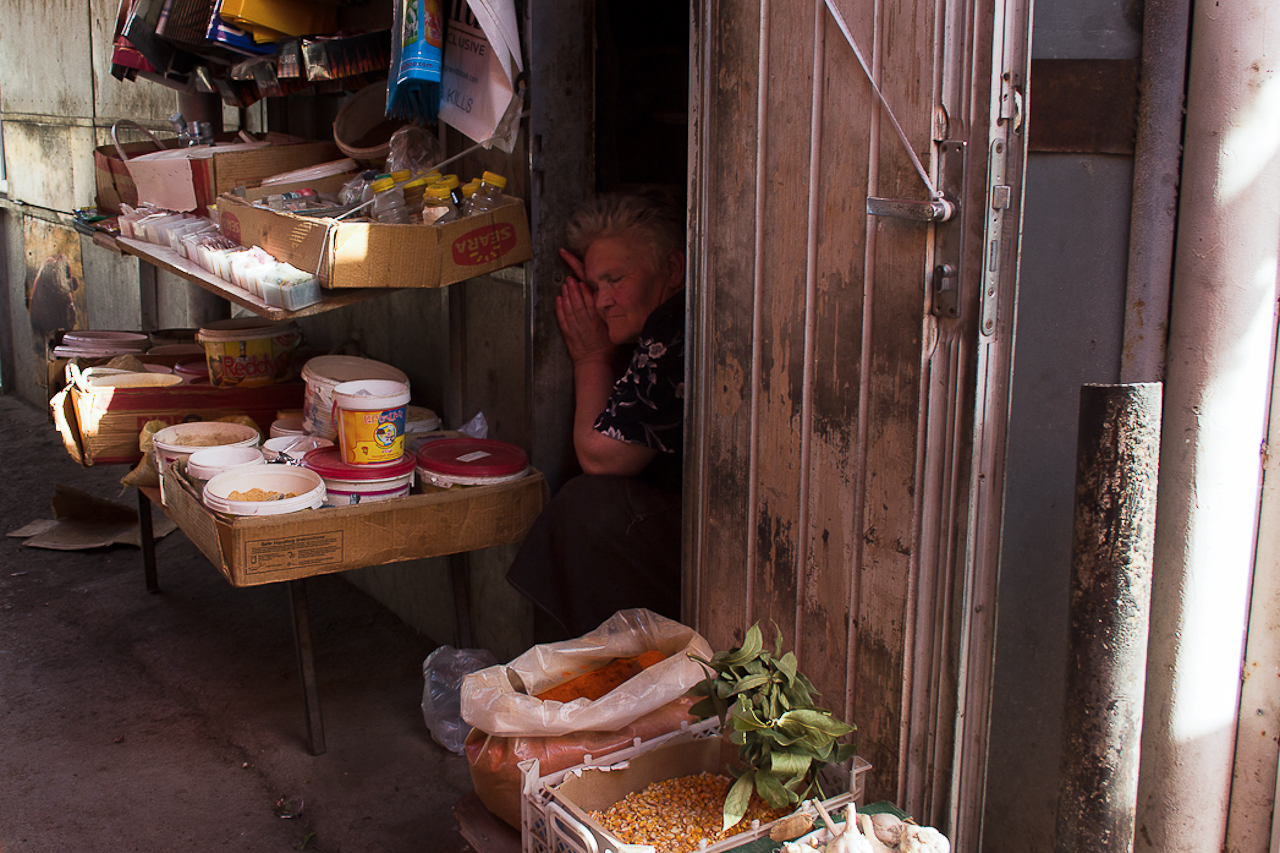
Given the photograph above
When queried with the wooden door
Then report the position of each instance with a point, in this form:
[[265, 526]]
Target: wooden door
[[845, 423]]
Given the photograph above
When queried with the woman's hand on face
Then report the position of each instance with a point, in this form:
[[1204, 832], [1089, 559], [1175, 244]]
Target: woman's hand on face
[[575, 264], [585, 332]]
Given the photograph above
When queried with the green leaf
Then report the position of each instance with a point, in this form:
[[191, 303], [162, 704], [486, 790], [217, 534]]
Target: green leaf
[[773, 792], [815, 720], [788, 666], [746, 719], [751, 682], [749, 650], [735, 804], [789, 764]]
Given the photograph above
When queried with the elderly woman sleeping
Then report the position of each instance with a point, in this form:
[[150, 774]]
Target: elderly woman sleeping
[[610, 539]]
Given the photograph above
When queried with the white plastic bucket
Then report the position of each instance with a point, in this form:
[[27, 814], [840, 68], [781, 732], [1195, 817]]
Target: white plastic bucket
[[325, 372], [293, 446], [212, 461], [291, 425], [369, 414], [181, 440], [346, 485], [306, 486], [419, 420]]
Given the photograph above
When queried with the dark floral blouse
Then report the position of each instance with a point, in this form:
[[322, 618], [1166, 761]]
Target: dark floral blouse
[[647, 403]]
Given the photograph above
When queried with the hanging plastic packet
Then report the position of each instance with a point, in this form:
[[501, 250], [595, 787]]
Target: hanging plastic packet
[[413, 93]]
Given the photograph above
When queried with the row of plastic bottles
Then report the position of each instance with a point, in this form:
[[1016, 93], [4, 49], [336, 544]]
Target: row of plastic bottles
[[433, 199]]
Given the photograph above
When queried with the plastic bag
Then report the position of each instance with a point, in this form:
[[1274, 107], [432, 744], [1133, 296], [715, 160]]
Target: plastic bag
[[491, 701], [442, 674], [512, 725], [414, 148], [477, 427]]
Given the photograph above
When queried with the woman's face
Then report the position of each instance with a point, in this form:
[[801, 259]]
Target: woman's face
[[626, 286]]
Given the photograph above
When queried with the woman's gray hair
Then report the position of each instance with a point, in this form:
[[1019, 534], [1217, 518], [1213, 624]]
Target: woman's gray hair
[[652, 215]]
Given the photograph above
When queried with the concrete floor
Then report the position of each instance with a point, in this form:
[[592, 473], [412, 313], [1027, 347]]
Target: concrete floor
[[174, 721]]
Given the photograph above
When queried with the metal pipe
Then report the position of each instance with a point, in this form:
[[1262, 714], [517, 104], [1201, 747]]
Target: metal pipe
[[1154, 212], [1117, 456], [1220, 354]]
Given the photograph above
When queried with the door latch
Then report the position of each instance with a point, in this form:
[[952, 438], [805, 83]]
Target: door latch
[[947, 219]]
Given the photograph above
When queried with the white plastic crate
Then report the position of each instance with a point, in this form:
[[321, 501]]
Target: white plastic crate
[[552, 823]]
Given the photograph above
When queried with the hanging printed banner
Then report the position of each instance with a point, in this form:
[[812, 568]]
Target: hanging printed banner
[[481, 62]]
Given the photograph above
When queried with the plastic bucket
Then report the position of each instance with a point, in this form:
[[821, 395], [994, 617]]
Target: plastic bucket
[[369, 414], [249, 352], [294, 447], [306, 488], [181, 440], [354, 484], [324, 373], [291, 425], [469, 461], [212, 461], [419, 420]]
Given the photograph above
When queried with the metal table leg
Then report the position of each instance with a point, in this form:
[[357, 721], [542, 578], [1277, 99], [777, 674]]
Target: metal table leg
[[306, 664], [148, 542], [459, 569]]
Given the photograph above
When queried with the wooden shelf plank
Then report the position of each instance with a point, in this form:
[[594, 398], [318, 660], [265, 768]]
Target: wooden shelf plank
[[167, 259]]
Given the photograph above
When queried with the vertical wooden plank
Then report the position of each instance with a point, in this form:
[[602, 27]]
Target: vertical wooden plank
[[896, 299], [731, 29], [831, 543], [783, 305]]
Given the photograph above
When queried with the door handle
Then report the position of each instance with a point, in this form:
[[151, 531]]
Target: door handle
[[937, 210], [945, 277]]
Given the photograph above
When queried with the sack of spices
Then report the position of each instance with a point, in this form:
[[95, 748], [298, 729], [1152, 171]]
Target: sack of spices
[[644, 654]]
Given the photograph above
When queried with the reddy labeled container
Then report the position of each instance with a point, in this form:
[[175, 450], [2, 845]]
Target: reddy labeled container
[[249, 352]]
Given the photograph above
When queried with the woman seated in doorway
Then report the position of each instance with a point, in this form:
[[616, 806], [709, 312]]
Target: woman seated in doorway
[[610, 539]]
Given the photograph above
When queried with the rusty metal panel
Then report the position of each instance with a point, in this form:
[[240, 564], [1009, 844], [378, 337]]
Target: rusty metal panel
[[1083, 106]]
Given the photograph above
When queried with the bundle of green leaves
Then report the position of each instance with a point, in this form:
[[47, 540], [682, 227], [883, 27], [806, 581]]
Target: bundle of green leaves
[[766, 708]]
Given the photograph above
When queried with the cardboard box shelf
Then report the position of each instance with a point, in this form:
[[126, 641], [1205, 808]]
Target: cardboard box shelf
[[118, 181], [267, 549], [102, 425], [371, 254]]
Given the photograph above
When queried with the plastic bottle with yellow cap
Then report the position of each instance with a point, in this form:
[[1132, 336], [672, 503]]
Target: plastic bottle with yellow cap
[[414, 192], [487, 196], [437, 206], [388, 202]]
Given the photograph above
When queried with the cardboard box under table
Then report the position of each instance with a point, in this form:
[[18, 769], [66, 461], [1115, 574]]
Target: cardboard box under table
[[371, 254]]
